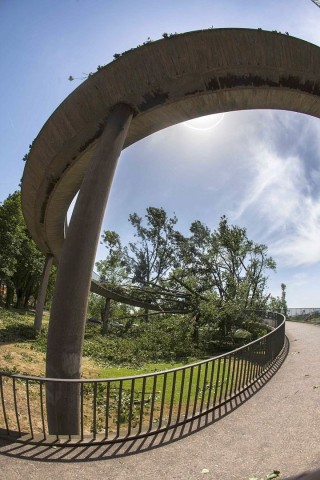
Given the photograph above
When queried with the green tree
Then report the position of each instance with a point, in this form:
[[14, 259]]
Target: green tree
[[215, 275], [284, 306], [11, 238], [151, 256], [279, 304], [143, 265], [20, 260], [224, 268]]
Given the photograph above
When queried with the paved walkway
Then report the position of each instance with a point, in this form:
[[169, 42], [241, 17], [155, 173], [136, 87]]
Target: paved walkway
[[278, 428]]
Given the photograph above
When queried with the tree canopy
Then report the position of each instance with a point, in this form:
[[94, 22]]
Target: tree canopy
[[208, 273], [21, 262]]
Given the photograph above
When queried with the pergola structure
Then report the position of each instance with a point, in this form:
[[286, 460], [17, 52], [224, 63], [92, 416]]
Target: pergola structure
[[147, 89]]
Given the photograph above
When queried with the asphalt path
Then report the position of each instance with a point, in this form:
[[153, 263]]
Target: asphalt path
[[273, 426]]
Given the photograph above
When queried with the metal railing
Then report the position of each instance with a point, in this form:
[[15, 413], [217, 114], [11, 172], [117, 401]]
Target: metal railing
[[294, 312], [115, 409]]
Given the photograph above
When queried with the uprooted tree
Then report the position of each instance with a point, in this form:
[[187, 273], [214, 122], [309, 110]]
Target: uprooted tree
[[213, 275]]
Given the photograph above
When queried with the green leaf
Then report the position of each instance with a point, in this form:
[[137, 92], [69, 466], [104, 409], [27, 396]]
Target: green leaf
[[274, 474]]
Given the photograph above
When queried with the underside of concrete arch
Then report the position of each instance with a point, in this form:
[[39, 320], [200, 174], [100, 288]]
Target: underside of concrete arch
[[165, 82]]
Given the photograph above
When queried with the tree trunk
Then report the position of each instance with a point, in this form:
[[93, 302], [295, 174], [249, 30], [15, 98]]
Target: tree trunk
[[146, 315], [28, 293], [106, 316], [196, 327], [20, 296], [9, 297]]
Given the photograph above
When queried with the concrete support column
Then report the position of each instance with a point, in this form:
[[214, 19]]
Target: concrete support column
[[42, 293], [68, 313]]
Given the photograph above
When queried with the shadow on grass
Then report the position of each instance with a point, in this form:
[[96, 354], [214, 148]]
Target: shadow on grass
[[16, 325], [93, 452], [16, 333]]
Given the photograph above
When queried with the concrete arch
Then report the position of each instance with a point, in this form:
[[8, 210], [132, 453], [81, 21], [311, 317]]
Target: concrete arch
[[164, 82], [147, 89]]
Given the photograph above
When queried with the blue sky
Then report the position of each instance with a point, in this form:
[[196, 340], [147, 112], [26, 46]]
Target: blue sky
[[260, 168]]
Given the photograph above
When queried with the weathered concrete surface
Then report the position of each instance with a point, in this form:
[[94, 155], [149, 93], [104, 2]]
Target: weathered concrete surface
[[42, 292], [277, 428], [69, 305], [165, 82]]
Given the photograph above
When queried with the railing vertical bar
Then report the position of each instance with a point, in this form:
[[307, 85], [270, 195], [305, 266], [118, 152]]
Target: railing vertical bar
[[94, 420], [29, 408], [250, 367], [236, 381], [243, 369], [172, 396], [119, 407], [259, 362], [262, 358], [164, 386], [41, 410], [252, 363], [131, 406], [222, 379], [262, 364], [154, 391], [16, 403], [234, 364], [228, 376], [142, 404], [268, 352], [3, 405], [181, 394], [106, 429], [246, 367], [217, 383], [196, 393], [204, 385], [213, 362], [189, 392], [81, 411]]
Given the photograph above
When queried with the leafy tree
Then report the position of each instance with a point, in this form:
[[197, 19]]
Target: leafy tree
[[26, 278], [215, 275], [284, 307], [20, 260], [279, 304], [151, 256], [143, 265], [11, 237], [224, 268]]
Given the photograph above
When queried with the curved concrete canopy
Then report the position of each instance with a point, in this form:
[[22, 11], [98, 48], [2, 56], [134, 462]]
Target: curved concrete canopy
[[165, 82]]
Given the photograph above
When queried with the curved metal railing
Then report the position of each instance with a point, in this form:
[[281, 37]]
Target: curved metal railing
[[121, 408]]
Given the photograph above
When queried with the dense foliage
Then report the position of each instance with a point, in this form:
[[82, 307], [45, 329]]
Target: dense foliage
[[210, 276], [194, 292], [21, 262]]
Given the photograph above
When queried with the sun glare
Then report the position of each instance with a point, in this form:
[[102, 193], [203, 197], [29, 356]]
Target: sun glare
[[207, 122]]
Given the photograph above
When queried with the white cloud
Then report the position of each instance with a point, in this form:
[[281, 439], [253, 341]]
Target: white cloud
[[280, 195]]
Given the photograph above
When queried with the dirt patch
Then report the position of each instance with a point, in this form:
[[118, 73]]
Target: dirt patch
[[20, 358]]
